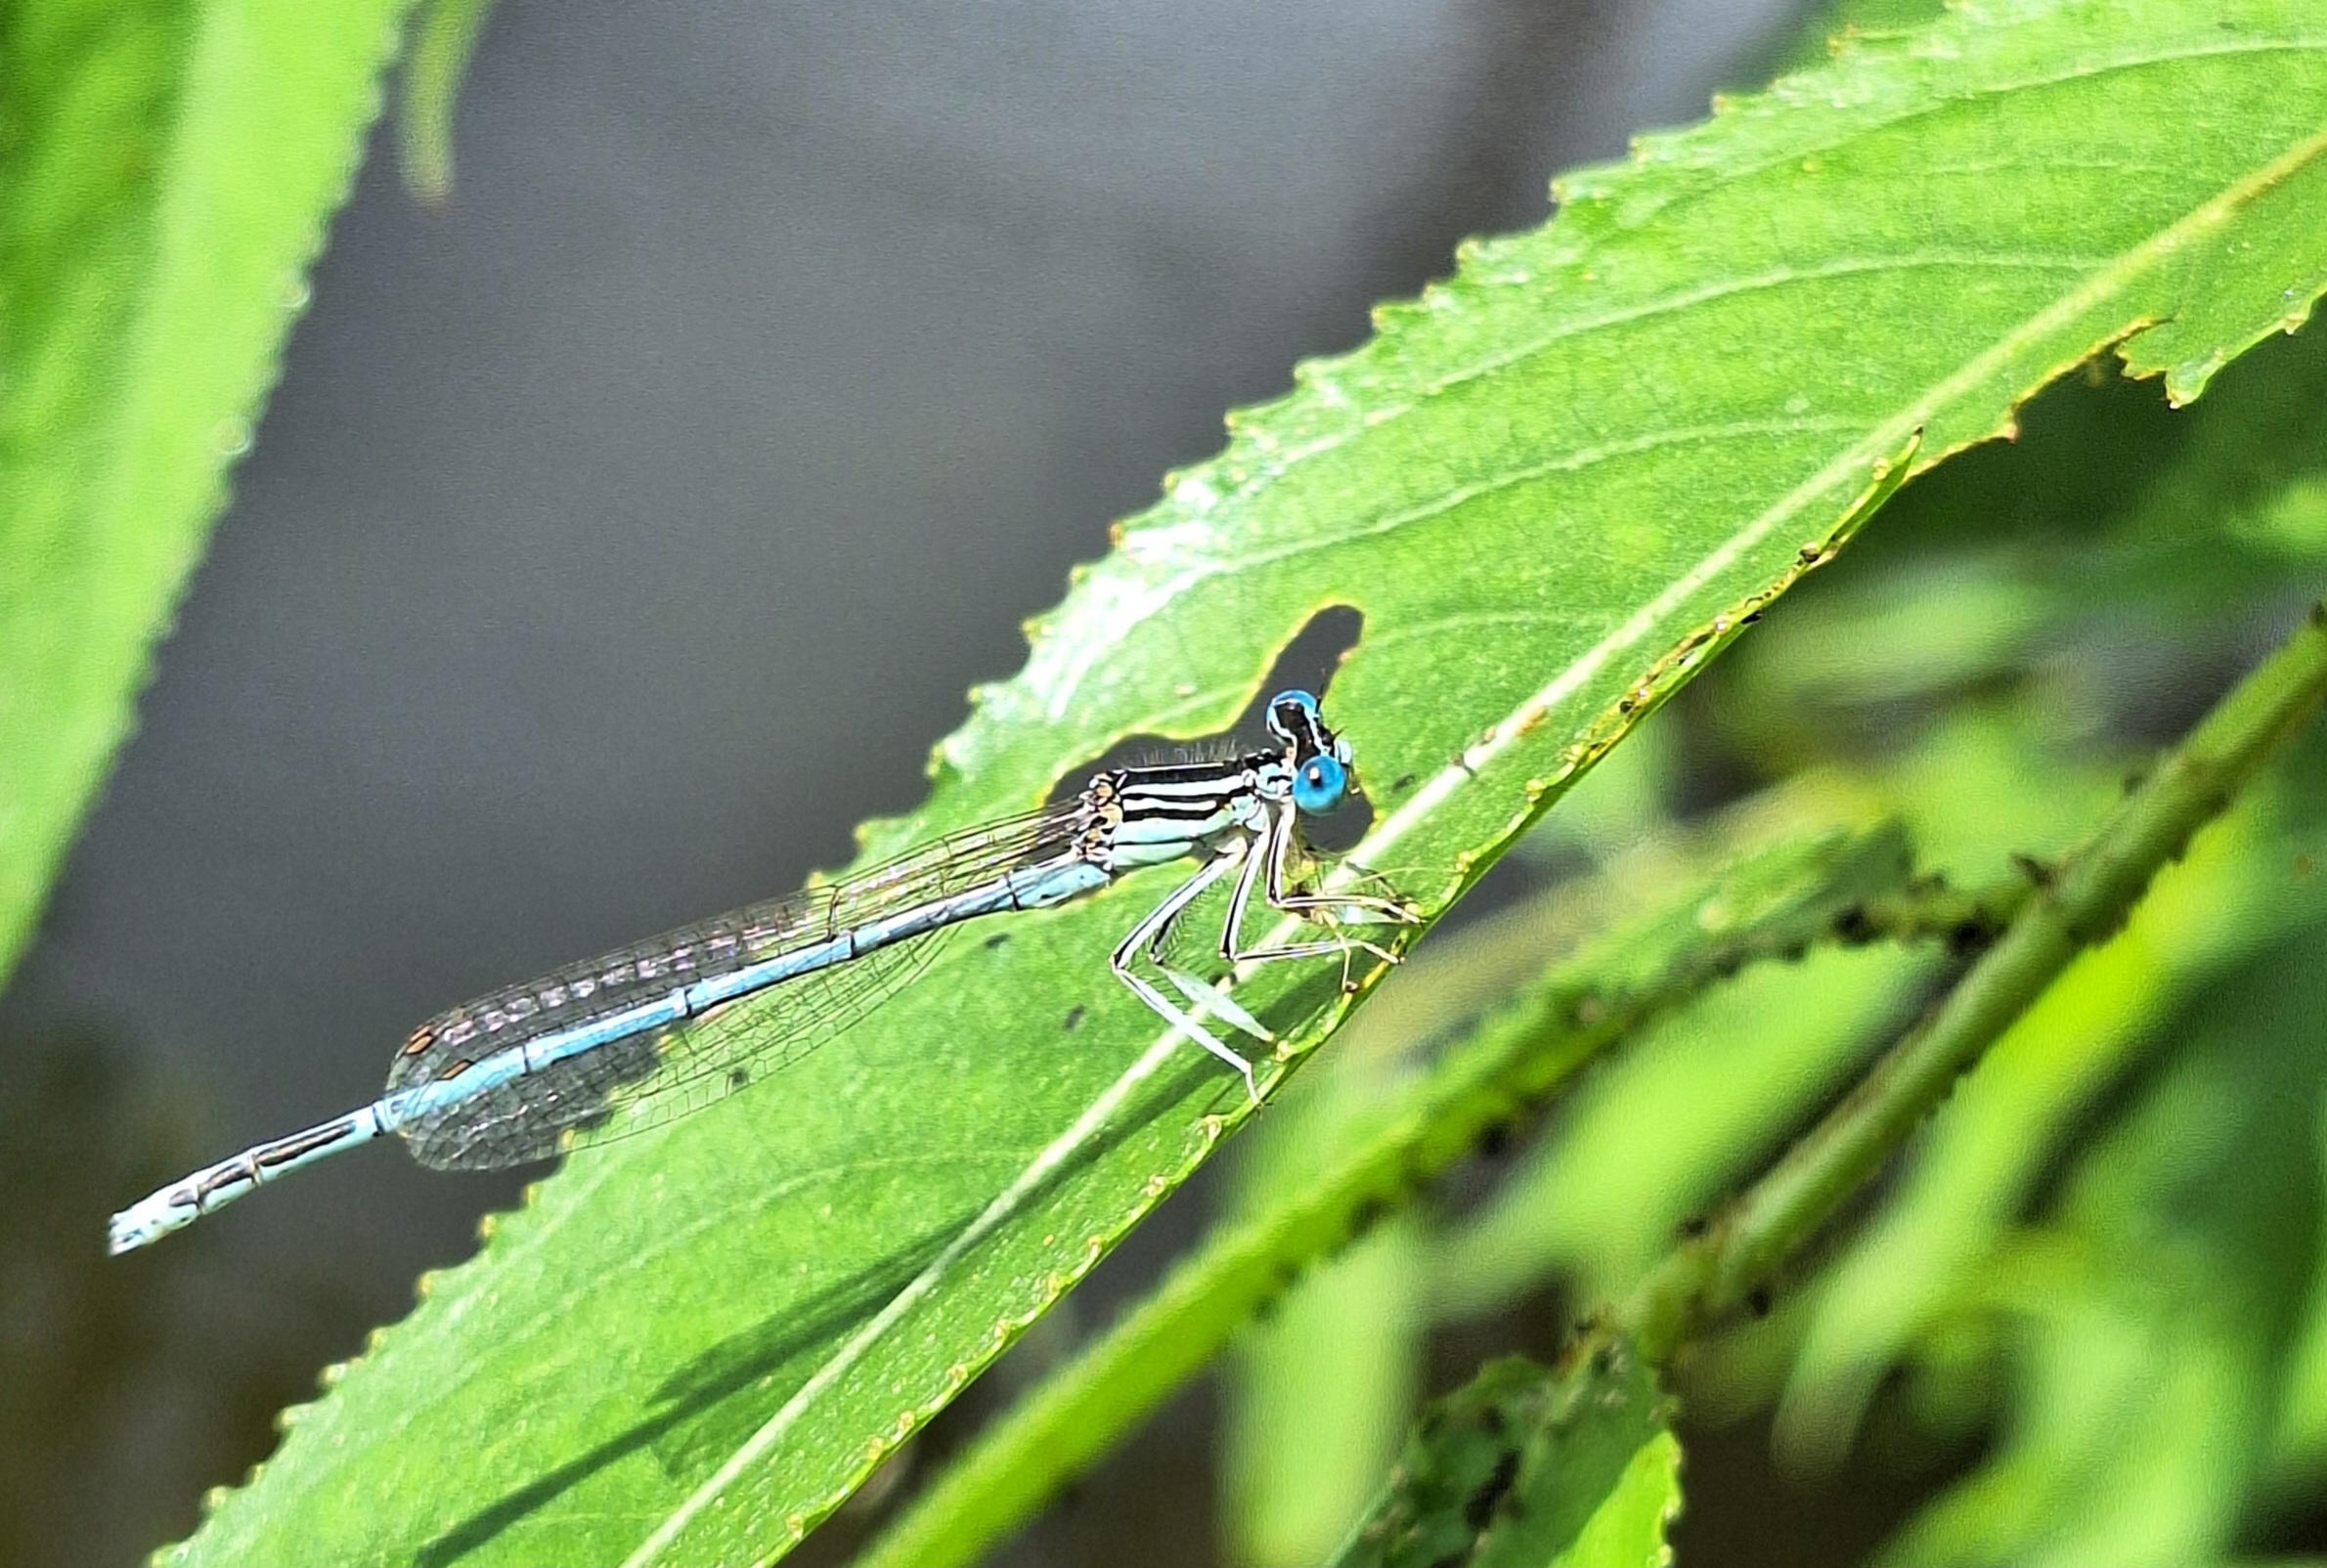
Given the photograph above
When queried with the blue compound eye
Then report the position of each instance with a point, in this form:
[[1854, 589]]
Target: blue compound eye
[[1319, 784]]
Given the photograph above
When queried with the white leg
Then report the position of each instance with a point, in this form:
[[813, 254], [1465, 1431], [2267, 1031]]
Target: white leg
[[1200, 991], [1203, 993], [1231, 941], [1281, 897], [1316, 910], [1152, 930]]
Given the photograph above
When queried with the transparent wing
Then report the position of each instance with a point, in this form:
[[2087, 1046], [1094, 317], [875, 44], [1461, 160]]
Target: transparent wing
[[645, 1080], [653, 1078]]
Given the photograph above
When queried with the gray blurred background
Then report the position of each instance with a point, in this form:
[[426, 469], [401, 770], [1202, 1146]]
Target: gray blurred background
[[627, 529]]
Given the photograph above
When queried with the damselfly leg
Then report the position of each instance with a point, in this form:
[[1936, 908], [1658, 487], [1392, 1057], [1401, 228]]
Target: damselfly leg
[[1149, 935], [1269, 870], [1261, 863]]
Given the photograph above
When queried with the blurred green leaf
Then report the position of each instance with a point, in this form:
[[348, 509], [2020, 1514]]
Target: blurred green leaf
[[1529, 1465], [1316, 1398], [166, 175], [2299, 1436], [1641, 1147], [2146, 1320], [444, 42], [2076, 907], [1318, 1395], [1552, 487], [1992, 1145], [1321, 1388]]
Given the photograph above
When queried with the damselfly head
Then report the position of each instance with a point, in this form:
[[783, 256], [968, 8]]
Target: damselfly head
[[1320, 757], [1294, 719]]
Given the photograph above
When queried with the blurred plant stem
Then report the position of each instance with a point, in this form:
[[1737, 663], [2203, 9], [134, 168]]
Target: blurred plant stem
[[2079, 903], [444, 42]]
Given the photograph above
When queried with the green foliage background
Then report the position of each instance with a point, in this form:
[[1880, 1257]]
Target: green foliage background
[[2087, 1307]]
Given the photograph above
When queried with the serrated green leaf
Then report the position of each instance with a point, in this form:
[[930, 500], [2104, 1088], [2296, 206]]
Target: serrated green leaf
[[1526, 1465], [167, 172], [1831, 22], [1551, 487], [1628, 1530]]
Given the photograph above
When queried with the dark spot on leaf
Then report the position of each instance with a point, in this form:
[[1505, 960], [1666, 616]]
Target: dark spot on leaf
[[1405, 782], [1969, 937], [1758, 1302], [1074, 1017], [996, 939], [1694, 1226], [737, 1078], [1494, 1140], [1854, 926], [1480, 1507]]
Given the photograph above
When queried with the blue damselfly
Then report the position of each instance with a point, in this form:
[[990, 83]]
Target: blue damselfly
[[621, 1042]]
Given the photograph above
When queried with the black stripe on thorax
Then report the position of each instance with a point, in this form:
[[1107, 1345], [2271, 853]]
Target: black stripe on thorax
[[1165, 775], [1176, 807]]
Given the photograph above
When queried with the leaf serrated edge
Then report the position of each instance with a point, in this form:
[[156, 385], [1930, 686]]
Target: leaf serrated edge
[[1255, 451]]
